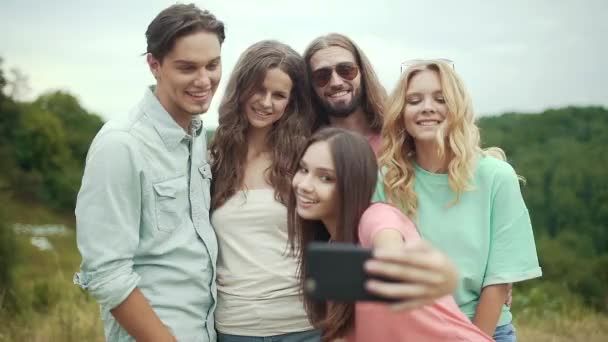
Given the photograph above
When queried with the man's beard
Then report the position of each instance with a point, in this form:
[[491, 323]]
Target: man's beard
[[342, 110]]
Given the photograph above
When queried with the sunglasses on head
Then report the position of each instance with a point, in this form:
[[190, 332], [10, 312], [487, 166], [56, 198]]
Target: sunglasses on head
[[346, 70], [412, 62]]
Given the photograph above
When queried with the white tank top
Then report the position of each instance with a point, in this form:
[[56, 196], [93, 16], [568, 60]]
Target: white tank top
[[256, 272]]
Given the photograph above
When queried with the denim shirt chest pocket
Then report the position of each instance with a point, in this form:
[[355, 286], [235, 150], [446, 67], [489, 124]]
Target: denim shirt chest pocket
[[171, 198], [205, 171]]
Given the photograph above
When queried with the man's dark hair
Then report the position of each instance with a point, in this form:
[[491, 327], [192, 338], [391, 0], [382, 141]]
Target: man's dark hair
[[177, 21]]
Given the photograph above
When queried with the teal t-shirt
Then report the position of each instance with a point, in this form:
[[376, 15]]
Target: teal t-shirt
[[487, 233]]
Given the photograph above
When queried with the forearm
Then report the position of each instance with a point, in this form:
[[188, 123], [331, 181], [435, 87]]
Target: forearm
[[421, 273], [490, 305], [138, 318]]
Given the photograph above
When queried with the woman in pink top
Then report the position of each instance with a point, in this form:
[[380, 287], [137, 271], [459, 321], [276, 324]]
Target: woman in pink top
[[333, 187]]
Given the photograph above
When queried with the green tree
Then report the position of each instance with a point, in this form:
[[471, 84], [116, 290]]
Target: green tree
[[8, 254], [42, 153], [562, 155], [8, 117], [81, 125], [2, 80]]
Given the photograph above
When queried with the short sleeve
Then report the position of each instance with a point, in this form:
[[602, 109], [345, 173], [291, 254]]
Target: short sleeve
[[512, 256], [381, 216]]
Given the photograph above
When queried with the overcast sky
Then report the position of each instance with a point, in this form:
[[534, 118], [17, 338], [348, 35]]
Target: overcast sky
[[513, 55]]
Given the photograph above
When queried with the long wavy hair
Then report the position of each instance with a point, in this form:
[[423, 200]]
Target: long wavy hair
[[374, 94], [355, 163], [458, 140], [229, 146]]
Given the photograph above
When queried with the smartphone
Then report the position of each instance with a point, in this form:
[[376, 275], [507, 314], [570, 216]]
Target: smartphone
[[334, 271]]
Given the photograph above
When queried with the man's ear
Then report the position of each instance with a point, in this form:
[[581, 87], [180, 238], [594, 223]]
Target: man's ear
[[153, 64]]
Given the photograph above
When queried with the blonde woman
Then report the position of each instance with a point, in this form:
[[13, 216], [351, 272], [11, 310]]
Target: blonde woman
[[464, 200]]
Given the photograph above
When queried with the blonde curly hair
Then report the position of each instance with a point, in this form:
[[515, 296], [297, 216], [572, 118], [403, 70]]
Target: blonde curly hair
[[457, 140]]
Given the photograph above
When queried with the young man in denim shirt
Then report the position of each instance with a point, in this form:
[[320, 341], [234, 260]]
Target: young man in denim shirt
[[142, 214]]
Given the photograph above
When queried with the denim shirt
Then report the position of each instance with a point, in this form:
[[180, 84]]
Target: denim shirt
[[142, 220]]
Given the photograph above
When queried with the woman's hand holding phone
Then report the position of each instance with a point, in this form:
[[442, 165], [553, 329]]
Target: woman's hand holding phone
[[420, 274]]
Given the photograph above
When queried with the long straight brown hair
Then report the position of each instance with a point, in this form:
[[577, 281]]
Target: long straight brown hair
[[288, 134], [356, 175]]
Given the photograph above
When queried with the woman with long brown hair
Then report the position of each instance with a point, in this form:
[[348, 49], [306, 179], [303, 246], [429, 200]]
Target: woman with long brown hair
[[333, 188], [265, 117]]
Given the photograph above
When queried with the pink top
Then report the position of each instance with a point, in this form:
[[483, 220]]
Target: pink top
[[375, 140], [439, 321]]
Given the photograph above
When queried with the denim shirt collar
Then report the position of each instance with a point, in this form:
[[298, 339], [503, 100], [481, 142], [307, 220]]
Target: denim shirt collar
[[170, 132]]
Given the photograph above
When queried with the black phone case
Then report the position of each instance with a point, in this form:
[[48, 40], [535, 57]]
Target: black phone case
[[335, 272]]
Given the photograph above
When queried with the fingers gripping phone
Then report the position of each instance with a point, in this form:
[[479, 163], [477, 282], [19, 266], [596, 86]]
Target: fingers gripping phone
[[335, 272]]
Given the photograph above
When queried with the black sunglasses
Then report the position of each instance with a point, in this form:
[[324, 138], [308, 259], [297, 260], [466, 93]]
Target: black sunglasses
[[346, 70]]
